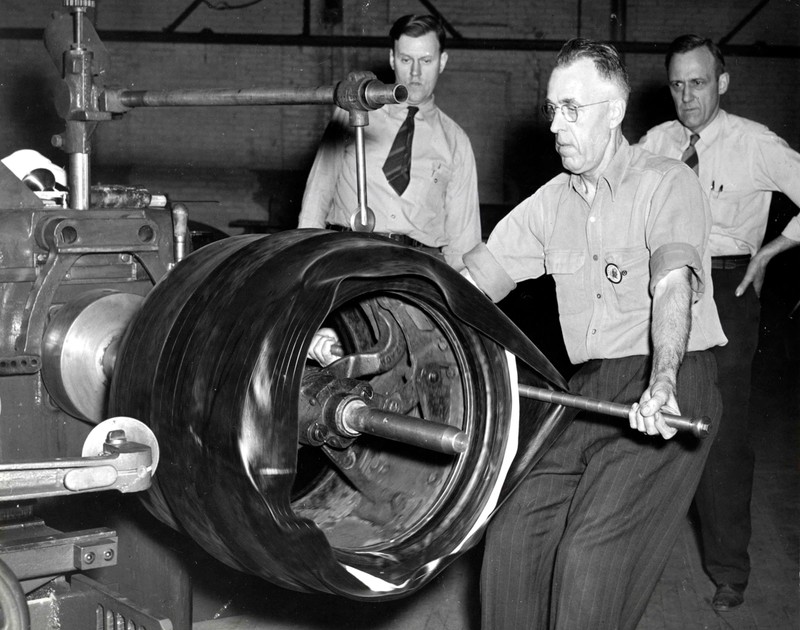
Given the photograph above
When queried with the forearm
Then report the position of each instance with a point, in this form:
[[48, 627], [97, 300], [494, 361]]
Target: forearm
[[777, 245], [757, 269], [671, 325]]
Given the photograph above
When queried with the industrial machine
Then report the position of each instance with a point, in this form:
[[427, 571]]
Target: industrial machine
[[132, 361]]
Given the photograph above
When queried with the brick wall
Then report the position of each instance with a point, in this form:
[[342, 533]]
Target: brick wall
[[494, 95]]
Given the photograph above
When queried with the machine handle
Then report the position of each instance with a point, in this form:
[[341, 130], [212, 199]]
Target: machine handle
[[701, 427]]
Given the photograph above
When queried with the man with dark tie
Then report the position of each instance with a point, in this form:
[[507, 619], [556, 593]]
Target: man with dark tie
[[422, 182], [739, 163]]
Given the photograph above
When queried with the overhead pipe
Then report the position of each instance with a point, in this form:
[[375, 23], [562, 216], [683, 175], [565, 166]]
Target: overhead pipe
[[350, 41]]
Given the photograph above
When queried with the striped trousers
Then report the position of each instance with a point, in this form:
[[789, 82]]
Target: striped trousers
[[582, 541]]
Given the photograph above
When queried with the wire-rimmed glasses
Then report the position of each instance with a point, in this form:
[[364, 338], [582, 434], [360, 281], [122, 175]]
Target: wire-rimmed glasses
[[568, 110]]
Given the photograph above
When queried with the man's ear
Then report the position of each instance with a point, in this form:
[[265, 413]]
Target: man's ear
[[442, 61], [616, 109], [723, 82], [391, 58]]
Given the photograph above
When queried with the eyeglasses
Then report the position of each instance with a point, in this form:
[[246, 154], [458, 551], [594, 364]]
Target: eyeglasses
[[568, 110]]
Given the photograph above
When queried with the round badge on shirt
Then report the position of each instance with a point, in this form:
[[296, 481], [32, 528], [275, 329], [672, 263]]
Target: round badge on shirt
[[613, 273]]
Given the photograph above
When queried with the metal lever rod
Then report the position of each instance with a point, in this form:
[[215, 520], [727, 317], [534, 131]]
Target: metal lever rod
[[700, 427], [363, 220]]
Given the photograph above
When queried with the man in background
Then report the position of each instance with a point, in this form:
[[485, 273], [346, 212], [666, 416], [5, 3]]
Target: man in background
[[739, 163], [422, 182]]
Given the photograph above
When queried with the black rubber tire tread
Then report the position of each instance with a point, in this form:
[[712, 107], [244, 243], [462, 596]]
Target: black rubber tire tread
[[213, 361]]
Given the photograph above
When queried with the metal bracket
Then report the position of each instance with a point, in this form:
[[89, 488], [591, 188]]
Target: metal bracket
[[126, 466]]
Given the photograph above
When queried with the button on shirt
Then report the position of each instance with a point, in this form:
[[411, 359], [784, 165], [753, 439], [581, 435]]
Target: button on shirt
[[440, 206], [741, 164], [649, 216]]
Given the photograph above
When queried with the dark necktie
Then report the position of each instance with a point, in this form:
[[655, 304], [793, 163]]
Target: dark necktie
[[690, 154], [398, 164]]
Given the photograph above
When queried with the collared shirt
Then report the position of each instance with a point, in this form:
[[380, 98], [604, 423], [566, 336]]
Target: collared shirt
[[741, 164], [440, 206], [649, 217]]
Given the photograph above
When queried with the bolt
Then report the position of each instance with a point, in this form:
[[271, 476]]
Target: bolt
[[116, 437], [317, 433], [349, 460], [88, 557], [108, 554]]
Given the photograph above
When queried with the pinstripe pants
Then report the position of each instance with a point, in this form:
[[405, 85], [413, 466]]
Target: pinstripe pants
[[582, 541]]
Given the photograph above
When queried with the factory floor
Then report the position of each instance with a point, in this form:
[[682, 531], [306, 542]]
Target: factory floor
[[225, 600]]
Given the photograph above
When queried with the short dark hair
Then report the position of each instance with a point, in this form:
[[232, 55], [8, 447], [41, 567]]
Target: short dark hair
[[686, 43], [417, 26], [605, 57]]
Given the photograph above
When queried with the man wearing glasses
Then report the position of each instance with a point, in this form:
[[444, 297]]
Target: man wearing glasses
[[583, 539], [739, 163]]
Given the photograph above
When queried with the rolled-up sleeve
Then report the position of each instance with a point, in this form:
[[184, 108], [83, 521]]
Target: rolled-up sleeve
[[488, 274], [678, 227], [675, 256]]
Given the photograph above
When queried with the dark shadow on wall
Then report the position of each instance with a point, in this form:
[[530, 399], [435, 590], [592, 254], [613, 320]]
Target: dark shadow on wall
[[656, 103], [530, 158], [281, 192], [32, 116], [646, 109]]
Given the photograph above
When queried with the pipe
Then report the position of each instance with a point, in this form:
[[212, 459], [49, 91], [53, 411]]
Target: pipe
[[351, 41], [700, 427], [364, 94]]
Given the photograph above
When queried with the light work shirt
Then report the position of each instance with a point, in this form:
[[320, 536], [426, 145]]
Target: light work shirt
[[649, 217], [741, 163], [440, 206]]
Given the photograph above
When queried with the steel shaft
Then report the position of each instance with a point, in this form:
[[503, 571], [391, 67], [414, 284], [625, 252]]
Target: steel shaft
[[357, 418], [700, 427]]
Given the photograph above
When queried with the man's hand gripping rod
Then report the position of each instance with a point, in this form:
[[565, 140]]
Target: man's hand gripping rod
[[701, 427]]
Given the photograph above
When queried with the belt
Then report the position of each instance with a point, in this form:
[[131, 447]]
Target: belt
[[730, 262], [400, 238]]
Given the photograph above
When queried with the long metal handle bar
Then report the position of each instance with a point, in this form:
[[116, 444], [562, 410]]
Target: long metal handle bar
[[361, 178], [700, 427]]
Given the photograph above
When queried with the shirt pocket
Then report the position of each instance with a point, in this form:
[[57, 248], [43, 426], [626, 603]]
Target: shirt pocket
[[725, 212], [566, 268], [631, 269], [434, 178]]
